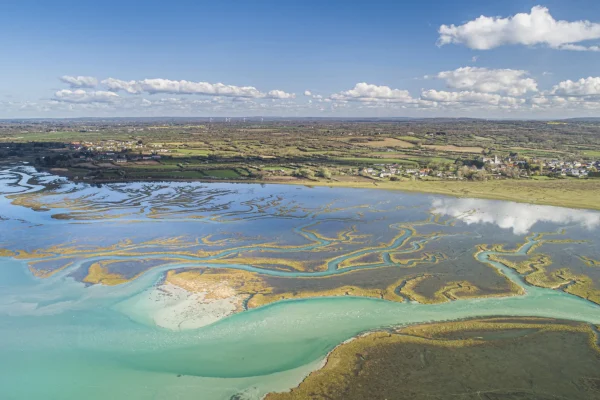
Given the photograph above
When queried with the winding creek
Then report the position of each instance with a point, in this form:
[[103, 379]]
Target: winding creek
[[60, 338]]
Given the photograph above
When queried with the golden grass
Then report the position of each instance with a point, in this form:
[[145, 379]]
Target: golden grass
[[6, 253], [538, 275], [590, 262], [231, 283], [347, 290], [573, 193], [98, 274], [454, 149], [44, 273], [388, 142], [450, 291]]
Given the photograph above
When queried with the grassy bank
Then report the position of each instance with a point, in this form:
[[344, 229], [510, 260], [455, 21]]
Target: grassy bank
[[572, 193]]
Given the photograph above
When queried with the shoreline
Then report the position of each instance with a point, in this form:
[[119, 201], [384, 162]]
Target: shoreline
[[566, 193]]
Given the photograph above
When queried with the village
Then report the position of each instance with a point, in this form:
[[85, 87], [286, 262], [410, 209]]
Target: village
[[482, 168], [118, 152]]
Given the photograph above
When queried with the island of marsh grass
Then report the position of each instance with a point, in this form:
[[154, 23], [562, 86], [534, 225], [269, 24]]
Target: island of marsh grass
[[428, 362], [535, 271]]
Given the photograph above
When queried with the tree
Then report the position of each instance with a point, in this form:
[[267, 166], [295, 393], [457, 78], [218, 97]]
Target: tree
[[480, 175], [464, 172], [511, 172]]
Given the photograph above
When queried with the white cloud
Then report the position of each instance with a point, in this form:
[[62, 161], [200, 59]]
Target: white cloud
[[578, 47], [128, 86], [516, 216], [158, 85], [373, 93], [474, 58], [536, 28], [470, 97], [204, 88], [511, 81], [307, 93], [583, 87], [80, 81], [280, 94], [82, 96]]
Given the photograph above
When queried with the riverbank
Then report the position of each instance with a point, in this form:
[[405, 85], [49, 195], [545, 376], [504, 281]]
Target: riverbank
[[568, 192]]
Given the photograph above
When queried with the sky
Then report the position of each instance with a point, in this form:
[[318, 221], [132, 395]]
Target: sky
[[430, 58]]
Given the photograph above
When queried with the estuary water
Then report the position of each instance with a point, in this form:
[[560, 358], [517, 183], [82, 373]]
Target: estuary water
[[64, 337]]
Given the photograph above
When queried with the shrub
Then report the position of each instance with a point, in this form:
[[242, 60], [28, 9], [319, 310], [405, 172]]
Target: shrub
[[305, 173], [324, 173]]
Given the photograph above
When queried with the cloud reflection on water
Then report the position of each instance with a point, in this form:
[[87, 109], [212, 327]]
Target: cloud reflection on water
[[510, 215]]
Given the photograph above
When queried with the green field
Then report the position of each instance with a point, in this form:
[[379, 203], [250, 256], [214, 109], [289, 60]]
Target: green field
[[189, 152], [365, 160], [410, 139], [426, 160], [158, 167], [277, 168], [592, 153], [166, 174], [222, 173]]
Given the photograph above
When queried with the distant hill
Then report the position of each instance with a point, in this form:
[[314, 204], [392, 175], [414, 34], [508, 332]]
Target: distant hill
[[583, 119]]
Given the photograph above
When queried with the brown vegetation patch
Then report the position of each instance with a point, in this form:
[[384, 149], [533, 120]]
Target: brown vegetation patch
[[388, 142], [453, 148]]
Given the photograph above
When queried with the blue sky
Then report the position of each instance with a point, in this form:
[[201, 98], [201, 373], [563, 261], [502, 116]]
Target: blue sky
[[355, 58]]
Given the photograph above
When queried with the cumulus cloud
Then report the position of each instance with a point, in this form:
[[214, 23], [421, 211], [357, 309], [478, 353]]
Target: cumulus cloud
[[80, 81], [511, 81], [520, 218], [470, 97], [168, 86], [372, 93], [583, 87], [536, 28], [280, 94], [82, 96], [472, 91], [128, 86]]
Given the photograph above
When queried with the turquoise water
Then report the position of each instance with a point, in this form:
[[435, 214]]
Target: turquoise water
[[63, 339]]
